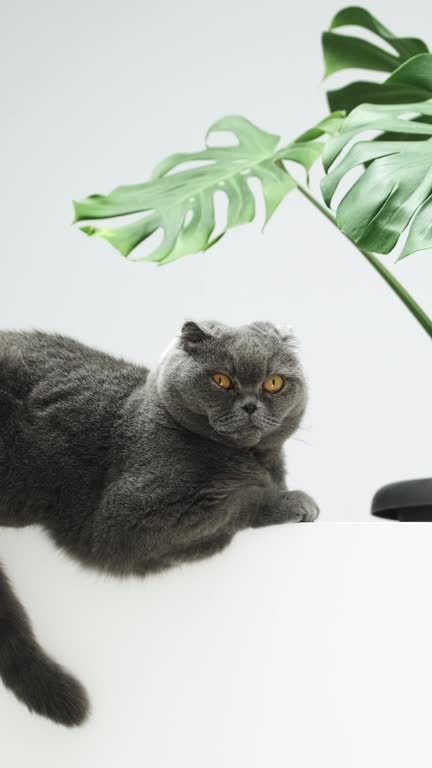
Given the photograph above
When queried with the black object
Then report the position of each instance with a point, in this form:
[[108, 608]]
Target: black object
[[408, 501]]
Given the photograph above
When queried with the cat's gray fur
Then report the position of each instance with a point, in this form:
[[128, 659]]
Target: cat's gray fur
[[131, 471]]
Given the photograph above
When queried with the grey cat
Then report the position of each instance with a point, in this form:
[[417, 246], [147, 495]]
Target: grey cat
[[131, 471]]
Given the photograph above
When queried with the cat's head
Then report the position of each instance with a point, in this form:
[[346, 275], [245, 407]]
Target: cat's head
[[234, 384]]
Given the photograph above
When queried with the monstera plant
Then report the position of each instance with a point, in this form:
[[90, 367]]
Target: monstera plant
[[383, 129]]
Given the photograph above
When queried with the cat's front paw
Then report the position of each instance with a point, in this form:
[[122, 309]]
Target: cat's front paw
[[300, 508]]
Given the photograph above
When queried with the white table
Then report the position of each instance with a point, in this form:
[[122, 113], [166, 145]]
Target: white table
[[301, 646]]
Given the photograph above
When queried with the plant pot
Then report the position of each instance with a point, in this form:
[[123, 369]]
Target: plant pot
[[406, 501]]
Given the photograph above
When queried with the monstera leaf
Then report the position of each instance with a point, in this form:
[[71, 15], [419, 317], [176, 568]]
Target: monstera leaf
[[410, 63], [180, 202], [394, 189], [412, 81]]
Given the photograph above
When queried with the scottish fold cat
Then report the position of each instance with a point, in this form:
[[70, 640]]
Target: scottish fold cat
[[132, 471]]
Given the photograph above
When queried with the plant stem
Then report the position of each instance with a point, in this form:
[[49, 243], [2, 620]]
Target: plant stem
[[395, 285]]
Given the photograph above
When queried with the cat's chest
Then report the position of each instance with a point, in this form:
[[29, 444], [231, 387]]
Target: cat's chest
[[184, 467], [218, 473]]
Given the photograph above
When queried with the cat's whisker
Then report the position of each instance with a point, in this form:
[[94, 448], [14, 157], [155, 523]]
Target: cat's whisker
[[299, 440]]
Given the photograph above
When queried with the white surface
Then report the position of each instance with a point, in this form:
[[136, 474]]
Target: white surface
[[299, 646], [94, 94]]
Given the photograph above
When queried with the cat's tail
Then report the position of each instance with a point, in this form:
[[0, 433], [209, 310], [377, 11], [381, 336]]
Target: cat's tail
[[38, 681]]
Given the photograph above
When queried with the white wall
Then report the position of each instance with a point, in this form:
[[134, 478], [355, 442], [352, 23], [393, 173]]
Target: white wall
[[94, 94], [300, 646]]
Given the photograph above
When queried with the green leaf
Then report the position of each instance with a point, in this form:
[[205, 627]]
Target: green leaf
[[412, 81], [181, 202], [394, 189], [330, 126], [348, 52], [420, 234]]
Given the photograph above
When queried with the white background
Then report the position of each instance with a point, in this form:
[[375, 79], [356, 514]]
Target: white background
[[94, 94], [277, 652]]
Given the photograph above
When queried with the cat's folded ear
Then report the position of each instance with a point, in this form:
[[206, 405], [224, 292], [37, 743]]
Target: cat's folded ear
[[285, 332], [193, 336], [282, 330]]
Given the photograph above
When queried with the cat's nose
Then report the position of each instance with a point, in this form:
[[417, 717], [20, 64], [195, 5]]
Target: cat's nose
[[249, 407]]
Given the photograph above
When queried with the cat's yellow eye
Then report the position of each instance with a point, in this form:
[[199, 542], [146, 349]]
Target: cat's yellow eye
[[222, 380], [273, 383]]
